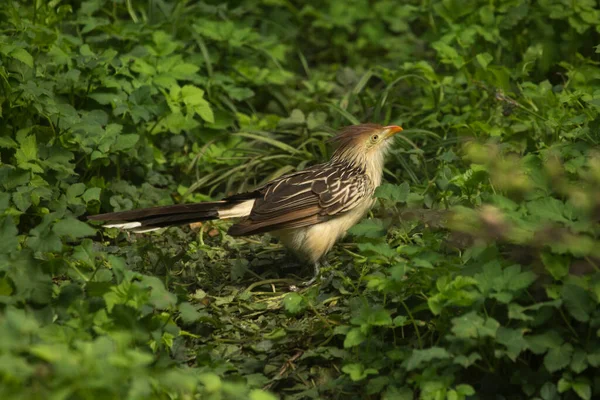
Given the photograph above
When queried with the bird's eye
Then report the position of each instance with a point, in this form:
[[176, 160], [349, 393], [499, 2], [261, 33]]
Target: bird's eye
[[375, 138]]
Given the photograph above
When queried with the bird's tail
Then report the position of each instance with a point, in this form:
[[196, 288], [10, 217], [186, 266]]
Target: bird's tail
[[150, 219]]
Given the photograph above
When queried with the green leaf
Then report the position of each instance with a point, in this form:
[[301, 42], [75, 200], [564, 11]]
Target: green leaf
[[354, 337], [500, 283], [369, 228], [73, 227], [160, 297], [549, 391], [394, 393], [465, 390], [380, 317], [420, 357], [395, 193], [8, 235], [23, 56], [484, 59], [294, 303], [448, 54], [558, 358], [583, 389], [474, 326], [578, 302], [594, 358], [188, 313], [540, 343], [125, 142], [193, 97], [91, 194], [74, 191], [516, 311], [378, 249], [7, 142], [212, 383], [296, 118], [27, 150], [184, 70], [557, 266], [257, 394], [579, 361], [513, 340], [563, 385], [547, 209], [467, 361], [357, 372]]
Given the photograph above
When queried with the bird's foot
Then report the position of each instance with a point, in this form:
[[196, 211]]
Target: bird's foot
[[317, 274]]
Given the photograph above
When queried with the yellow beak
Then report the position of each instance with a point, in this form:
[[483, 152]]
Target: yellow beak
[[391, 130]]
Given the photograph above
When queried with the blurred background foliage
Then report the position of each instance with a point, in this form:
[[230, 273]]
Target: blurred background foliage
[[476, 277]]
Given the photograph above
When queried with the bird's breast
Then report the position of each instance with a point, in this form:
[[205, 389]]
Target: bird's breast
[[313, 242]]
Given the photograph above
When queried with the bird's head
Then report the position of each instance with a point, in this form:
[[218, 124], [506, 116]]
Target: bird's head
[[364, 142]]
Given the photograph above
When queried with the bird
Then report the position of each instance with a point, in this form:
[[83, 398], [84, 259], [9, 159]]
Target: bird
[[307, 210]]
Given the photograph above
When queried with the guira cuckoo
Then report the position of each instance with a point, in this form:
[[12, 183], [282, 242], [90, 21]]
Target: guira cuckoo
[[308, 210]]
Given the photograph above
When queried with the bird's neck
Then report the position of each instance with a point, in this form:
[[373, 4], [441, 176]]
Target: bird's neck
[[371, 164], [374, 167]]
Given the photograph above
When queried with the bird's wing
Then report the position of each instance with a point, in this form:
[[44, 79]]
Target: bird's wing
[[306, 198]]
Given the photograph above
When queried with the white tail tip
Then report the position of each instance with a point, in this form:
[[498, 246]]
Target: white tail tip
[[126, 225]]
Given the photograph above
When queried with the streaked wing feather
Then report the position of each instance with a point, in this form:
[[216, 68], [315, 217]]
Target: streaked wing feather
[[305, 198], [307, 216]]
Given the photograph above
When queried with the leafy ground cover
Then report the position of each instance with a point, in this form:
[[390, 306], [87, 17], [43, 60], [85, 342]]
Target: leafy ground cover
[[476, 276]]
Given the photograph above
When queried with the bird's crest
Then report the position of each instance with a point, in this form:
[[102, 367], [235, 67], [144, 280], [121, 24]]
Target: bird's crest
[[349, 134]]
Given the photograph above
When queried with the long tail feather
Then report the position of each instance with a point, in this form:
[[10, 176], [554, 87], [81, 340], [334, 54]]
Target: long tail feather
[[149, 219]]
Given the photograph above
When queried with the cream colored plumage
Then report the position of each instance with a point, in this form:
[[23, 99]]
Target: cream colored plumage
[[308, 210]]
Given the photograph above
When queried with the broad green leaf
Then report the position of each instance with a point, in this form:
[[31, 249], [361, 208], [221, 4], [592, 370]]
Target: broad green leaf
[[578, 302], [448, 54], [557, 266], [160, 297], [294, 303], [8, 235], [296, 118], [188, 313], [369, 228], [418, 358], [513, 340], [358, 372], [540, 343], [558, 357], [193, 97], [474, 326], [27, 151], [549, 391], [516, 311], [583, 389], [484, 59], [23, 56], [547, 209], [91, 194], [354, 337], [380, 249], [578, 361], [7, 142], [395, 193], [184, 70], [125, 142], [212, 383], [73, 227], [257, 394]]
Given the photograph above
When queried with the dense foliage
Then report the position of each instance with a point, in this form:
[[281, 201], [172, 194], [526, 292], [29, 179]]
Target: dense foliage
[[476, 276]]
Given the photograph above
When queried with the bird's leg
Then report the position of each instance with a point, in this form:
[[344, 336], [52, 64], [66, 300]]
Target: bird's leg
[[315, 276]]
